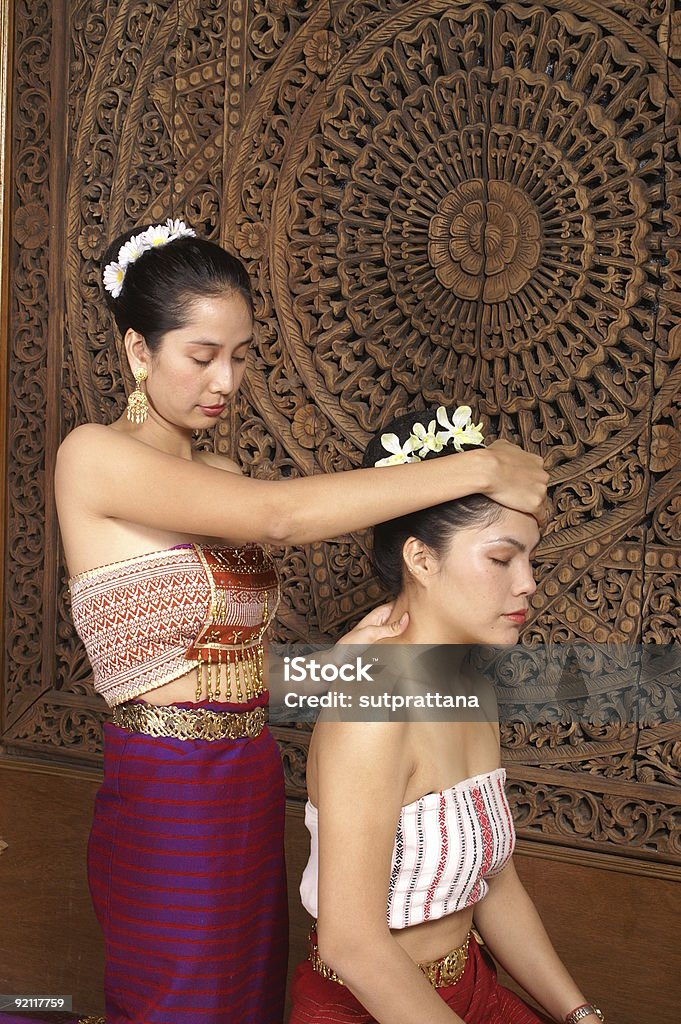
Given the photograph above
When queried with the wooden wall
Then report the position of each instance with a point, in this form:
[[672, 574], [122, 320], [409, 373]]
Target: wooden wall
[[50, 941], [439, 202]]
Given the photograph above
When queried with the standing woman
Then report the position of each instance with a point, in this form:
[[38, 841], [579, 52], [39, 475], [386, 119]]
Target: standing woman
[[171, 594]]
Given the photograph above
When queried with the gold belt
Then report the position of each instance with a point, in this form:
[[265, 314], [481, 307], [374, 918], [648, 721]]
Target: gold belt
[[189, 723], [440, 973]]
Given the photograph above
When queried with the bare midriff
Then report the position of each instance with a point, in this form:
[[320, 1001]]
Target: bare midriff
[[184, 689], [433, 939]]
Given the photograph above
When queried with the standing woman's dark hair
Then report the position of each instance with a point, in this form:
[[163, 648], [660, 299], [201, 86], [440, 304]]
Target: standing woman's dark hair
[[434, 525], [152, 293]]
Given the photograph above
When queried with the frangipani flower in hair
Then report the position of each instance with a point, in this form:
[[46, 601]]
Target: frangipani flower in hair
[[461, 430], [399, 453], [426, 440], [457, 432]]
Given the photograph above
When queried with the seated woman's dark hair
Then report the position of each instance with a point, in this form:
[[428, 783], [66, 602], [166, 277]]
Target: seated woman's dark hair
[[159, 287], [433, 526]]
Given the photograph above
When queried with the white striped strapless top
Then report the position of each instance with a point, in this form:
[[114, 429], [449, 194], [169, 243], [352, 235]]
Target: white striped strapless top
[[446, 845]]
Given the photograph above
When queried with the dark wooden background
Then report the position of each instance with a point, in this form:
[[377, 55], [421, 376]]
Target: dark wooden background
[[438, 202]]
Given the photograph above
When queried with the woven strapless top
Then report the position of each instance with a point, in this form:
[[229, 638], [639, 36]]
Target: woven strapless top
[[446, 845], [150, 619]]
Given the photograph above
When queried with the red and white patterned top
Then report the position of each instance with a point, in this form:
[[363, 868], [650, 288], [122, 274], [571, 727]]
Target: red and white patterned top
[[140, 618], [446, 845]]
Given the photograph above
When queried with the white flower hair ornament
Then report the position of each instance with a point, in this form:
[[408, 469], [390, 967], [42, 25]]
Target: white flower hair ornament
[[458, 431], [461, 430], [398, 453], [153, 238]]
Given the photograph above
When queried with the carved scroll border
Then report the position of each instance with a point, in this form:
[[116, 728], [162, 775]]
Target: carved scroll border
[[32, 318], [6, 25]]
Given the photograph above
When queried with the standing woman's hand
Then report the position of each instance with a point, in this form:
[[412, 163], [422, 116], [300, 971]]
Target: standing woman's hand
[[517, 479], [378, 624]]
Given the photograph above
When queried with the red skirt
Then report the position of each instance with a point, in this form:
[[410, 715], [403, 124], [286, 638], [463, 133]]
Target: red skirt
[[477, 997]]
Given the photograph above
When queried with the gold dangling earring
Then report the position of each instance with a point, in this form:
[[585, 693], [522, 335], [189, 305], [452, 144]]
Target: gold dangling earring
[[138, 403]]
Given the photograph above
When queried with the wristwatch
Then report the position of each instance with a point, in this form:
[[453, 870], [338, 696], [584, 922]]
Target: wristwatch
[[583, 1011]]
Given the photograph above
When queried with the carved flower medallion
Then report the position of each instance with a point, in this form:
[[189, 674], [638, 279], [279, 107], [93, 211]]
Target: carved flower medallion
[[31, 225], [665, 448], [321, 51], [484, 241]]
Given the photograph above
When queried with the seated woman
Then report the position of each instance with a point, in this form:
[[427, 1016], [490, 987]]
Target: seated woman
[[412, 815]]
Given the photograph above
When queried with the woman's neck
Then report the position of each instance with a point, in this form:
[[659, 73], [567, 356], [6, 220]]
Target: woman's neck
[[425, 626], [159, 434]]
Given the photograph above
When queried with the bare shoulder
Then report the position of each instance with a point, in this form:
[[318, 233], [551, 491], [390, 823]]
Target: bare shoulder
[[354, 763], [84, 435], [84, 449], [89, 439], [92, 453], [361, 741], [217, 462]]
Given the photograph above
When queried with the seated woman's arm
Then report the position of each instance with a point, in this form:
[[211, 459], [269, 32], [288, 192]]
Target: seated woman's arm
[[362, 771], [509, 923]]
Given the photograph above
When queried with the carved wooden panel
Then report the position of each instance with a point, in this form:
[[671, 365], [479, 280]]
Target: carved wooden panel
[[437, 201]]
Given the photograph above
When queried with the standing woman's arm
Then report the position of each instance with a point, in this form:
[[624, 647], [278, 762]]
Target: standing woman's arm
[[362, 775], [113, 475]]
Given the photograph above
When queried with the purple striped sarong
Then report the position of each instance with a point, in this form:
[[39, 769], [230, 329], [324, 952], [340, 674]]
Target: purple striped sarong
[[186, 870]]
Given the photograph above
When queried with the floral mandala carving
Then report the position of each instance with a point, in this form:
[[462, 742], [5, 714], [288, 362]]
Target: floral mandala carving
[[521, 248], [463, 204], [485, 242]]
